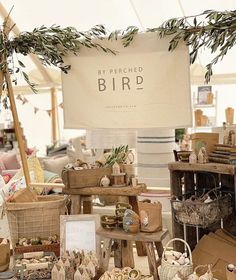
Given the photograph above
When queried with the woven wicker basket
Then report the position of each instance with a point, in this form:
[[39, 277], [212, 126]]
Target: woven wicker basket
[[167, 271], [35, 219], [190, 211]]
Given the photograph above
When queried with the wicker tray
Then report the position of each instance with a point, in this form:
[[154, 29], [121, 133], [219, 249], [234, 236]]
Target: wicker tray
[[195, 213]]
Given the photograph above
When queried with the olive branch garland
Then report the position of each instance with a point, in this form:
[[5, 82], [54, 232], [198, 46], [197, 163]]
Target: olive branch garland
[[211, 29], [50, 45]]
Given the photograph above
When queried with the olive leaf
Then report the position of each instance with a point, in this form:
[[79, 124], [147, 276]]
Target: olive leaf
[[118, 154]]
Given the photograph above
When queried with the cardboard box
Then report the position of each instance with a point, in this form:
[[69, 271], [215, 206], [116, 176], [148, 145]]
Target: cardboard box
[[218, 250], [204, 139]]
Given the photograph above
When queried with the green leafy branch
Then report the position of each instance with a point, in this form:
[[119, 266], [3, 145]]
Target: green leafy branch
[[212, 30], [50, 45], [118, 155]]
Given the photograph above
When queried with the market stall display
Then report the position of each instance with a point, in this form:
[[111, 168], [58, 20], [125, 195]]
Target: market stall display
[[34, 221]]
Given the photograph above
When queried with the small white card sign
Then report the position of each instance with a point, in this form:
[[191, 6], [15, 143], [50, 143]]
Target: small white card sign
[[79, 232], [142, 86]]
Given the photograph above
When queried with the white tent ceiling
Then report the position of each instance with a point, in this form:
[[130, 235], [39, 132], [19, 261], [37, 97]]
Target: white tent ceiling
[[116, 14]]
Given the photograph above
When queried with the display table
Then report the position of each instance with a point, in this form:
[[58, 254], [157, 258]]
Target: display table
[[186, 177], [123, 248], [85, 194]]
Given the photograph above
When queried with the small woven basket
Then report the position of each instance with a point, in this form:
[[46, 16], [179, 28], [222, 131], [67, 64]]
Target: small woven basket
[[167, 271], [35, 219]]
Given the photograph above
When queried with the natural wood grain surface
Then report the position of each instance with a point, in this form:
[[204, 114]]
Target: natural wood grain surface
[[105, 254], [123, 191], [140, 236], [152, 262], [127, 256], [206, 167], [141, 249], [75, 204]]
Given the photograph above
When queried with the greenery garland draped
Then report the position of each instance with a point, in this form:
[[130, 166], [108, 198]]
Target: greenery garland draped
[[212, 30]]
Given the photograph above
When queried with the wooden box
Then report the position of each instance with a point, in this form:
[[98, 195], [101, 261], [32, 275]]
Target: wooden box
[[204, 139], [55, 248], [84, 178]]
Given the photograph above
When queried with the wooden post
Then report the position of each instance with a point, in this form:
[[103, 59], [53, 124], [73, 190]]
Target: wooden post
[[18, 130], [54, 115]]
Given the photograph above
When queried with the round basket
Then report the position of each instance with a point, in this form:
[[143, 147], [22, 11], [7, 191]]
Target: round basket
[[167, 271], [33, 219]]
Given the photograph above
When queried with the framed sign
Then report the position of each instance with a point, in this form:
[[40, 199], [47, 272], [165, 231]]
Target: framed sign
[[204, 95], [79, 232]]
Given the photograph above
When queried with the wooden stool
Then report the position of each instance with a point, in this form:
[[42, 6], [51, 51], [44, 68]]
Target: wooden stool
[[130, 193], [122, 245]]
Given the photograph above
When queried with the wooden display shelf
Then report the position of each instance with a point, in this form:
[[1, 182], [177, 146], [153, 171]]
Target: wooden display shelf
[[206, 167], [119, 191], [140, 236], [187, 177], [79, 194], [123, 255]]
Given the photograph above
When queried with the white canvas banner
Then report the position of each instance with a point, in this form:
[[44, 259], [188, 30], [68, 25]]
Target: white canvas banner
[[142, 86]]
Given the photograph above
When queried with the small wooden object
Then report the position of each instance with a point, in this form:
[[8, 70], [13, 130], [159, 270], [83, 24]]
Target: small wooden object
[[229, 114], [119, 180], [198, 117], [210, 98]]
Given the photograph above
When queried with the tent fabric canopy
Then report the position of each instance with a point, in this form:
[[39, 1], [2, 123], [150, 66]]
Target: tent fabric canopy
[[114, 15]]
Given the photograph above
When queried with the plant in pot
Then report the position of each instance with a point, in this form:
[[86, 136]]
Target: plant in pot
[[124, 157]]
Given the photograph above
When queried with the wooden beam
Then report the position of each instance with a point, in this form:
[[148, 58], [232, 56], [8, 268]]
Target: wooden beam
[[54, 115], [6, 75], [18, 130]]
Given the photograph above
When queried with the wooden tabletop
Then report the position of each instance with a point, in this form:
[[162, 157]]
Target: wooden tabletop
[[205, 167], [140, 236], [119, 191]]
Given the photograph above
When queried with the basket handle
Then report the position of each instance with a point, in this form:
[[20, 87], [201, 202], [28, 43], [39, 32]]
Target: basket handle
[[181, 240]]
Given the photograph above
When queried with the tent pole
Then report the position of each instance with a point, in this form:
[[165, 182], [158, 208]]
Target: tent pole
[[17, 127], [54, 115]]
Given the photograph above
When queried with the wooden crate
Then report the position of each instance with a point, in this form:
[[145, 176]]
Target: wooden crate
[[74, 179], [186, 177], [55, 248]]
